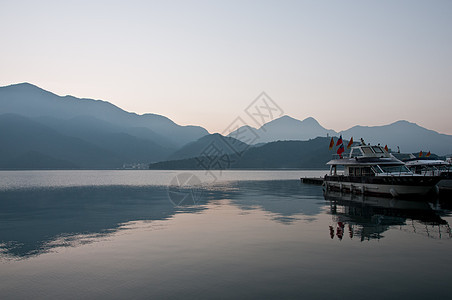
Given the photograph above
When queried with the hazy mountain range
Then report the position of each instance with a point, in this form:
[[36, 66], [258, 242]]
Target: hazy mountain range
[[44, 130], [31, 101], [39, 130], [311, 154], [284, 128], [209, 145], [410, 137]]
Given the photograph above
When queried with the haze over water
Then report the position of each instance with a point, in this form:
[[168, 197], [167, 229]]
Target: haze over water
[[251, 234]]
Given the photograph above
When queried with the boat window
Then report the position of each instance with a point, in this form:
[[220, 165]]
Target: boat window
[[377, 149], [366, 171], [357, 171], [367, 150], [417, 169], [445, 168], [394, 168], [356, 152], [333, 170], [377, 169]]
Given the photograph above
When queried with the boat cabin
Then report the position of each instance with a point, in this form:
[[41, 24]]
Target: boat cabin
[[366, 160], [368, 151]]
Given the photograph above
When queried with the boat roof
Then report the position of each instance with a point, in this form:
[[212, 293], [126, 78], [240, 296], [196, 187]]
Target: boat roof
[[367, 155], [424, 162], [403, 156], [356, 161]]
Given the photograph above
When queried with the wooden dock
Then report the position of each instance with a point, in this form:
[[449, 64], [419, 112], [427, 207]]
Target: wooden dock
[[312, 180]]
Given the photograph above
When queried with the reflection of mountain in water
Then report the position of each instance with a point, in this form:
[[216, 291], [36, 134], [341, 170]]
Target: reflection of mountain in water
[[31, 220], [284, 199], [368, 218], [34, 221]]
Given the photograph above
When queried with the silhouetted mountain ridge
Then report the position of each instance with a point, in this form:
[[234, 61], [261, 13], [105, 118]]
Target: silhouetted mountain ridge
[[213, 144], [50, 131], [44, 130], [31, 101], [409, 136], [284, 128], [312, 154]]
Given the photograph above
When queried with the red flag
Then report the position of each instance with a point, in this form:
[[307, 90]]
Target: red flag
[[340, 150], [428, 154], [331, 143], [386, 148], [339, 141], [350, 143], [420, 153]]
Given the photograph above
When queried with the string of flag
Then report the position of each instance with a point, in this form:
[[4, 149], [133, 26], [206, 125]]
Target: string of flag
[[422, 153], [340, 143], [341, 148]]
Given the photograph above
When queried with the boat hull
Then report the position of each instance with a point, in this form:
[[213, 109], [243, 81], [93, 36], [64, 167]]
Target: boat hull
[[395, 186], [445, 187]]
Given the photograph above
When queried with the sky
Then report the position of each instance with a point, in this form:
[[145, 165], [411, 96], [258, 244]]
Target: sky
[[344, 63]]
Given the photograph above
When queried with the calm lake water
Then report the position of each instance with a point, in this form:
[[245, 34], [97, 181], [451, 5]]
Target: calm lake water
[[235, 234]]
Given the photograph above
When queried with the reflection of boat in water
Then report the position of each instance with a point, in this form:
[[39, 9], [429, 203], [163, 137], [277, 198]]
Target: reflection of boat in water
[[368, 217], [372, 170]]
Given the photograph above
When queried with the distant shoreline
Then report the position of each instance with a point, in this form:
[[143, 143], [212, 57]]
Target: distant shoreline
[[232, 169]]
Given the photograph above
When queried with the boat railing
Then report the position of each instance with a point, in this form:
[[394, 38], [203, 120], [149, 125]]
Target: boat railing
[[396, 174], [399, 174], [431, 170], [341, 156]]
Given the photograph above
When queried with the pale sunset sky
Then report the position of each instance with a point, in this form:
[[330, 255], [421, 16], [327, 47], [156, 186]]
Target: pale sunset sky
[[202, 62]]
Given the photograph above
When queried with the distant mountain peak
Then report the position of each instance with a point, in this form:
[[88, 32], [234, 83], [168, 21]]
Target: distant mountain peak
[[310, 120], [23, 86], [284, 128], [288, 119], [403, 122], [28, 86], [26, 89], [396, 123], [281, 120]]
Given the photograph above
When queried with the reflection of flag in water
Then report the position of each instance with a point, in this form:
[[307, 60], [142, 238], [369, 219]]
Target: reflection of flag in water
[[386, 148], [350, 143], [331, 143], [420, 153], [339, 141], [428, 154], [340, 150]]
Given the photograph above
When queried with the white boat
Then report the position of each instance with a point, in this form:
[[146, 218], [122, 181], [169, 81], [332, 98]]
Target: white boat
[[434, 167], [372, 170]]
